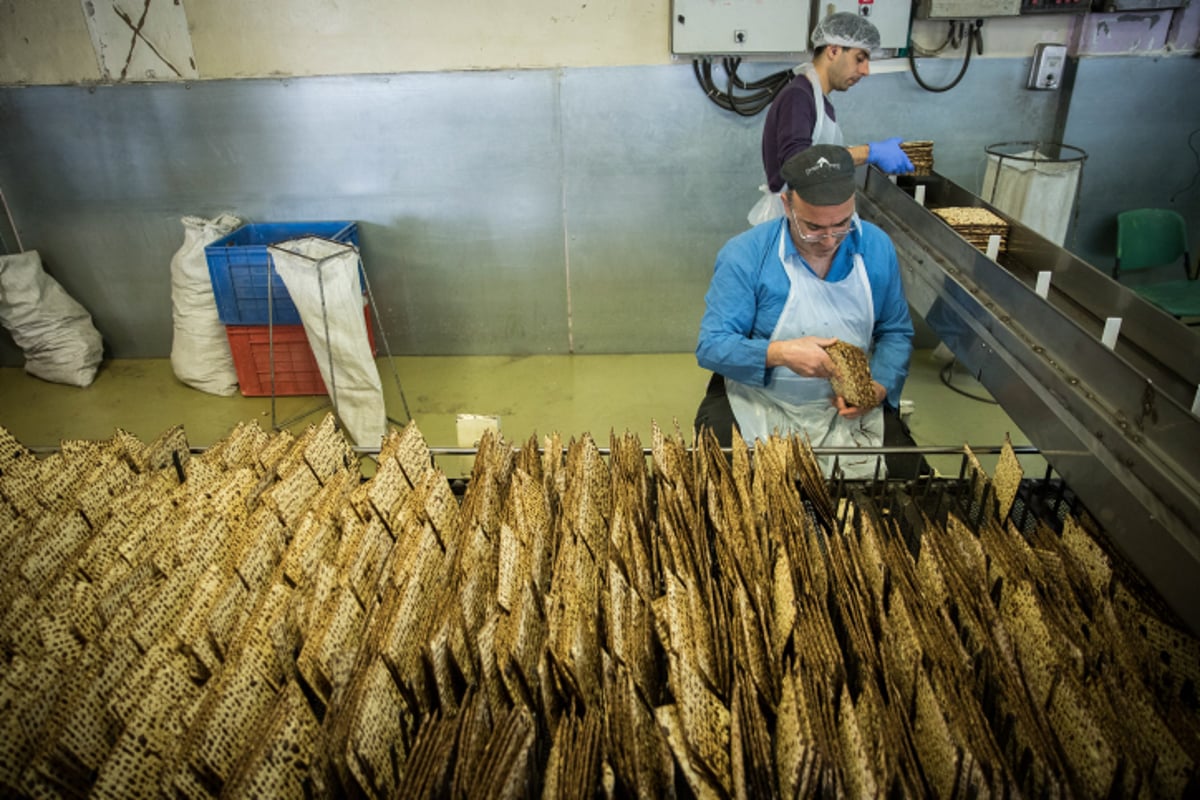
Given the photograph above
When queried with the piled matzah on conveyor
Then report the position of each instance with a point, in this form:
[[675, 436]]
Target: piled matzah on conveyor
[[261, 621], [920, 153], [975, 225]]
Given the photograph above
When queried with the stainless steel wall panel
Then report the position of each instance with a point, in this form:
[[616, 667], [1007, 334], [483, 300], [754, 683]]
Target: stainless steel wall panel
[[455, 180], [655, 183], [1136, 118], [484, 199], [989, 105]]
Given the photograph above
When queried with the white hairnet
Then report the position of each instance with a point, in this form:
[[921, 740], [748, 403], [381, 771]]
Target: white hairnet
[[847, 30]]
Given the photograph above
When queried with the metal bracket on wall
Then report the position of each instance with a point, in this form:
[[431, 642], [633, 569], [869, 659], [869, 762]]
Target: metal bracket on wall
[[10, 240]]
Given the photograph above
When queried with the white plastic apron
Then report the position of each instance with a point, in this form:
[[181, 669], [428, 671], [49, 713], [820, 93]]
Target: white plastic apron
[[825, 131], [790, 402]]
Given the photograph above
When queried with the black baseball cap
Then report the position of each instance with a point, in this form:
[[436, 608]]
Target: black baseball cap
[[823, 175]]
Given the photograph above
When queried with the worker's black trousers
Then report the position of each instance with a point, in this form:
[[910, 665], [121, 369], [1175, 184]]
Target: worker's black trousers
[[716, 413]]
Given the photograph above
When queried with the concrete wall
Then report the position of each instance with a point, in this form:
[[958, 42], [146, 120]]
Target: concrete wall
[[49, 41], [73, 41], [1143, 144], [79, 41]]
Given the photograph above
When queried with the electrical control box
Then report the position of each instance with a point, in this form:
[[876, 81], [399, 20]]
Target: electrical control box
[[1055, 6], [967, 9], [739, 27], [891, 17], [1048, 62], [1137, 5]]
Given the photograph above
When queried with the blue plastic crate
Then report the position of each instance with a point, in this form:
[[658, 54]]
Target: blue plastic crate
[[238, 266]]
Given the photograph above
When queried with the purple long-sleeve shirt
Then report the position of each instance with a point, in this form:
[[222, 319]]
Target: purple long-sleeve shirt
[[789, 126]]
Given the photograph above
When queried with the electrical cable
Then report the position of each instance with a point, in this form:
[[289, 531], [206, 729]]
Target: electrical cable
[[946, 374], [974, 37], [760, 92], [956, 32], [731, 65]]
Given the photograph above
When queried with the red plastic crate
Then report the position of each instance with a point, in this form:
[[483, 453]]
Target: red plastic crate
[[296, 371]]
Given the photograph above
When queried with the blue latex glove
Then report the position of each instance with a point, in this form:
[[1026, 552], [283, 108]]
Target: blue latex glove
[[888, 156]]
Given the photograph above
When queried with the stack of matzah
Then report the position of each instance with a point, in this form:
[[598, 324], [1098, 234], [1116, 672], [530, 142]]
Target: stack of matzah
[[920, 153], [975, 225], [260, 620]]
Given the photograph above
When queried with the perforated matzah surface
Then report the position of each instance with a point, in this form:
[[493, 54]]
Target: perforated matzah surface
[[267, 622]]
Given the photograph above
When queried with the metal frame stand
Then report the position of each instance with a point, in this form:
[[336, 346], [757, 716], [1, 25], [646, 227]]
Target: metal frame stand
[[1043, 148], [276, 424]]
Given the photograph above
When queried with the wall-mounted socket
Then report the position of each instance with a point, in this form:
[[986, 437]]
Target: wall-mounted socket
[[1049, 61]]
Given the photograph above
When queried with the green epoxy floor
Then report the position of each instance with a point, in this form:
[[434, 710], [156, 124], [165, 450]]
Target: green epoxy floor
[[532, 395]]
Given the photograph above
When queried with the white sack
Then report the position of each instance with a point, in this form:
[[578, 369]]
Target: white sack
[[1040, 193], [200, 353], [354, 386], [55, 332]]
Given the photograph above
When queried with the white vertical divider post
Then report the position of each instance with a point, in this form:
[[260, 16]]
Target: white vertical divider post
[[1112, 329], [1043, 284], [993, 246]]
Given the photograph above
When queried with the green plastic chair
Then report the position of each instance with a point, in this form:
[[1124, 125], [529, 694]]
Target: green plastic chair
[[1156, 237]]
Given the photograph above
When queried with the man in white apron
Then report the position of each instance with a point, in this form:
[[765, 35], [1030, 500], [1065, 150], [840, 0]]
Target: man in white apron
[[802, 115], [780, 293]]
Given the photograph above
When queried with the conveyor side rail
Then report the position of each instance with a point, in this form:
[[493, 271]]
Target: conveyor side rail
[[1129, 450]]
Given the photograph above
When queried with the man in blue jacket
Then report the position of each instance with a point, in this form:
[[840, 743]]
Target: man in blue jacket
[[783, 291]]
